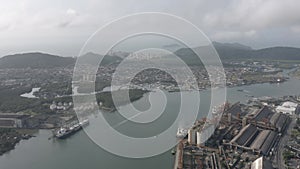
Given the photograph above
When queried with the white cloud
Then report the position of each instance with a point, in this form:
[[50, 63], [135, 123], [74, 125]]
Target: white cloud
[[69, 19], [255, 14], [71, 12], [230, 20]]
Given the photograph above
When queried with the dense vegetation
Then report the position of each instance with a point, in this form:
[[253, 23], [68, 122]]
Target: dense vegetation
[[42, 60], [8, 139], [12, 102], [119, 99], [35, 60]]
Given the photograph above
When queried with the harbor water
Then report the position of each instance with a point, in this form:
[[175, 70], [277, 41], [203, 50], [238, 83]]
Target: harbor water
[[79, 152]]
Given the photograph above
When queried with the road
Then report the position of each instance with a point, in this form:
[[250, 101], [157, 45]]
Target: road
[[283, 141], [179, 156]]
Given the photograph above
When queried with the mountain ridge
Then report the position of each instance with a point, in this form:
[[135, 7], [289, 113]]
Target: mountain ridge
[[233, 51], [35, 60], [226, 51]]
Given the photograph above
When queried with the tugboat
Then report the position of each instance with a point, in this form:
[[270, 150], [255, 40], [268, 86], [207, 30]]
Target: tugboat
[[65, 132]]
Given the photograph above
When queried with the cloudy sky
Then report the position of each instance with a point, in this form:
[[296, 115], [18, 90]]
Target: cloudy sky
[[62, 26]]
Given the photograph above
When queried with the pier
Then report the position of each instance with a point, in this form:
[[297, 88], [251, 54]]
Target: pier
[[178, 164]]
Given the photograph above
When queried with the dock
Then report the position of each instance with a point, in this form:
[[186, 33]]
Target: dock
[[178, 164]]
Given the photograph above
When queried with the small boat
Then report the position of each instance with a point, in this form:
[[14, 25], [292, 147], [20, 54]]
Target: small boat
[[173, 152], [243, 90]]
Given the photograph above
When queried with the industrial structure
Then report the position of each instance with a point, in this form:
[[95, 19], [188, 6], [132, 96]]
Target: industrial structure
[[253, 139], [267, 119], [9, 120], [244, 133], [262, 163]]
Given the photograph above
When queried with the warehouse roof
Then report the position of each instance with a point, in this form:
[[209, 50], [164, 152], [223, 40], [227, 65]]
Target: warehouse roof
[[235, 109], [263, 113], [264, 141], [246, 135], [281, 122], [266, 147], [260, 140]]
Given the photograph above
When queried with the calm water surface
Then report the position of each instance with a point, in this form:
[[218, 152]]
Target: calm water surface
[[79, 152]]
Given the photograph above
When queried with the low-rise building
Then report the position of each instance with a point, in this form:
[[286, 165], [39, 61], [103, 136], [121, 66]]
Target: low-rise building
[[287, 108], [8, 120]]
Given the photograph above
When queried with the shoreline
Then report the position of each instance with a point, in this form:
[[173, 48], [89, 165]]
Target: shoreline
[[107, 109], [15, 143], [11, 137]]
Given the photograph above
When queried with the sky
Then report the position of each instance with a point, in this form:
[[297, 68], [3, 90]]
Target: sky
[[62, 26]]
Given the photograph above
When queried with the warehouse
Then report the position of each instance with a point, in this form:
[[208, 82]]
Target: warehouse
[[281, 122], [263, 114], [257, 144], [9, 120], [264, 142], [235, 110], [252, 138], [245, 136], [267, 119]]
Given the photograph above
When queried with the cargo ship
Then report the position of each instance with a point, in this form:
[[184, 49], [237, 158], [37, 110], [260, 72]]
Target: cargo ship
[[65, 132]]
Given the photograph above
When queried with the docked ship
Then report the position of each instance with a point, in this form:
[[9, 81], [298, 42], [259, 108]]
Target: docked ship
[[65, 132]]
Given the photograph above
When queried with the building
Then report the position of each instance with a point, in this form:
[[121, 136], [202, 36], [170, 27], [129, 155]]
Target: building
[[287, 108], [264, 142], [254, 139], [267, 119], [244, 122], [205, 133], [235, 111], [262, 163], [192, 136], [279, 121], [245, 137], [10, 120]]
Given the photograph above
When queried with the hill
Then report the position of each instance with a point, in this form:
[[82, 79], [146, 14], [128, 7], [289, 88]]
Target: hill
[[35, 60], [237, 51], [277, 53], [93, 58], [226, 51], [43, 60]]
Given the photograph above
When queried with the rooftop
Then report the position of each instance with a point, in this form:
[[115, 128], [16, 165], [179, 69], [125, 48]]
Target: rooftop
[[261, 163]]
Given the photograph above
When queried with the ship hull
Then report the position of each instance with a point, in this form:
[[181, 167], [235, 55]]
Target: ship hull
[[67, 132]]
